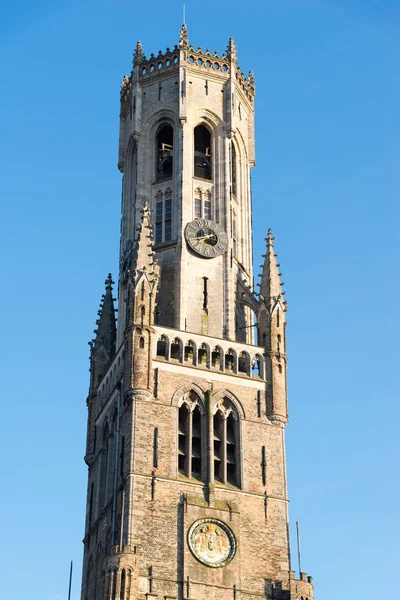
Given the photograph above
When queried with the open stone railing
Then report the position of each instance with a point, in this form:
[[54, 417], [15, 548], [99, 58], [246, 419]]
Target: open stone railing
[[197, 350]]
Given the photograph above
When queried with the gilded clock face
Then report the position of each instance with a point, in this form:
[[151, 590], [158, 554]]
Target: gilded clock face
[[206, 238], [212, 542]]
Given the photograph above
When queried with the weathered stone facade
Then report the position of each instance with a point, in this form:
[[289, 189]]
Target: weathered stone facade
[[186, 416]]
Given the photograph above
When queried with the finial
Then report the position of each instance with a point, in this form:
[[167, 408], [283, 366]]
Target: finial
[[231, 49], [183, 37], [138, 55], [109, 282], [270, 239], [251, 78], [146, 208], [124, 84]]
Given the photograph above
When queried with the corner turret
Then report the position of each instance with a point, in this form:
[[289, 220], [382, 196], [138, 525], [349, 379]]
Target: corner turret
[[272, 324], [102, 352], [140, 283], [103, 346]]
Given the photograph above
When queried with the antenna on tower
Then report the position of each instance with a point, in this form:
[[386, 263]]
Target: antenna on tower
[[298, 545], [70, 581]]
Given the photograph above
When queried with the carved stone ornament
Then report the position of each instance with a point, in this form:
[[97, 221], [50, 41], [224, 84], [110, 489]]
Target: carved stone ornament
[[211, 542]]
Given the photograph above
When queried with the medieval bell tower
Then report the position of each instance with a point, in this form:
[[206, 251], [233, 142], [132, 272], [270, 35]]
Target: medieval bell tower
[[187, 495]]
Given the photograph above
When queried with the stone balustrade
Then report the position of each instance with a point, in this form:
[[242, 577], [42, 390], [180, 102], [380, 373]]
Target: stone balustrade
[[226, 356]]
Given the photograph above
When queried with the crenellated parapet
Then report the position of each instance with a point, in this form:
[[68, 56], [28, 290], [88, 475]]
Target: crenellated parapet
[[185, 54], [301, 589]]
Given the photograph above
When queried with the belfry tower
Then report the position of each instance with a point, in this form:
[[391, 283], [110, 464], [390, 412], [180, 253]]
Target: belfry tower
[[187, 406]]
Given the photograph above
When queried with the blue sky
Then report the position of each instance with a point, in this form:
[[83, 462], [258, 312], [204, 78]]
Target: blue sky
[[326, 181]]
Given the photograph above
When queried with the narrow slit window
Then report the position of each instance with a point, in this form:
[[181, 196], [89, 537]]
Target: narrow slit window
[[197, 204], [231, 450], [207, 207], [234, 184], [183, 438], [168, 216], [234, 233], [196, 443], [218, 442], [159, 220]]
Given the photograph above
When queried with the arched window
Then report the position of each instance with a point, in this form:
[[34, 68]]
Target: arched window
[[231, 360], [234, 184], [189, 351], [202, 152], [226, 444], [162, 347], [123, 584], [202, 355], [165, 151], [176, 346], [216, 358], [196, 443], [244, 363], [257, 366], [190, 438], [183, 437], [114, 585]]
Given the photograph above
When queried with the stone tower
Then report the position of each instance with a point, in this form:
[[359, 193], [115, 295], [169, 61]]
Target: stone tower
[[187, 495]]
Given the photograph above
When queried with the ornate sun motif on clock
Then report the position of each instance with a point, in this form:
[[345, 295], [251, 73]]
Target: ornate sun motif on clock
[[206, 238]]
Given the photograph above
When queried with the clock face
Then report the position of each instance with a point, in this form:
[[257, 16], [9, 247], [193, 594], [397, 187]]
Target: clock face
[[212, 542], [206, 238]]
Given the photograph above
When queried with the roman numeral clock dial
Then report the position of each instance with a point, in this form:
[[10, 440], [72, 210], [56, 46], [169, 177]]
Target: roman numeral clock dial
[[206, 238]]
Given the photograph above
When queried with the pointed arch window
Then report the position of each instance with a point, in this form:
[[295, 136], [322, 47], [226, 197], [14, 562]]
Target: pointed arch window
[[190, 436], [165, 152], [202, 152], [226, 444]]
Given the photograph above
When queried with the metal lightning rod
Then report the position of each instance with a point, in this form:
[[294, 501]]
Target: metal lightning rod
[[70, 581], [298, 545], [184, 14]]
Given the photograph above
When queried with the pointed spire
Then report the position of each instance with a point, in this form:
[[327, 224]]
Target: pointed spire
[[144, 255], [138, 55], [231, 51], [271, 286], [106, 330], [183, 37]]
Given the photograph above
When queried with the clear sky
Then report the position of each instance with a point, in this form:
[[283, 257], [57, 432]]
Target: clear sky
[[326, 181]]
